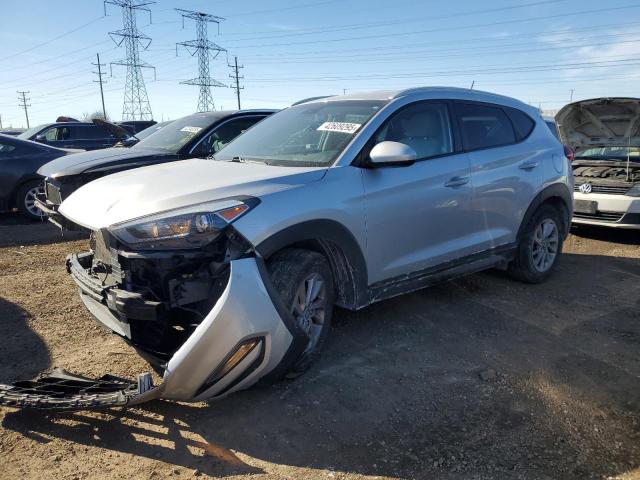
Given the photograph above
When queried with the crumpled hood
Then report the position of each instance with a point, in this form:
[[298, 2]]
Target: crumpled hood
[[144, 191], [600, 122], [73, 164]]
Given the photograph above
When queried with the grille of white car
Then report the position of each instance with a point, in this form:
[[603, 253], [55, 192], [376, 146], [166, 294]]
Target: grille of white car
[[611, 189]]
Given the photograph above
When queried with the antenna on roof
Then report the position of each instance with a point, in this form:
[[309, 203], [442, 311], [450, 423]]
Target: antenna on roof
[[472, 84]]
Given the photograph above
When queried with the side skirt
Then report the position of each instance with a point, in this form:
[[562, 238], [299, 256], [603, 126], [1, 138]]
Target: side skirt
[[497, 257]]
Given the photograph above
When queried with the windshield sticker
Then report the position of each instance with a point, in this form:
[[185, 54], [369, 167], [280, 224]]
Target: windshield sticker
[[341, 127], [191, 129]]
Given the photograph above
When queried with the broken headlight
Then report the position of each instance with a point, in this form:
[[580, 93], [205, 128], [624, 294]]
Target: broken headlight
[[184, 228]]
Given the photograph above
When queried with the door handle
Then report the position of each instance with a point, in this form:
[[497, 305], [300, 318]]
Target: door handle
[[528, 165], [456, 181]]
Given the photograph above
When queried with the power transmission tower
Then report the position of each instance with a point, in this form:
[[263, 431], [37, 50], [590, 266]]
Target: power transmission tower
[[136, 103], [236, 79], [203, 47], [22, 99], [100, 73]]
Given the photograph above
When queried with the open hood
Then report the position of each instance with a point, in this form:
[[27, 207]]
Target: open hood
[[144, 191], [116, 130], [600, 122]]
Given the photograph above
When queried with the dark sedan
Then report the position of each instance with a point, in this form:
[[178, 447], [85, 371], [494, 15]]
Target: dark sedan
[[198, 135], [19, 182]]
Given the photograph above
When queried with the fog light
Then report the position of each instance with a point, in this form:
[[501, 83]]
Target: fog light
[[239, 354]]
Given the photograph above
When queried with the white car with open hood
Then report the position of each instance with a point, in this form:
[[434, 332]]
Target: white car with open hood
[[605, 135], [224, 271]]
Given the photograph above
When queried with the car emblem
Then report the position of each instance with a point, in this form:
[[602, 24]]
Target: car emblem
[[585, 188]]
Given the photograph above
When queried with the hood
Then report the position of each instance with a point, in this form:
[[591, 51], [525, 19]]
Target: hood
[[145, 191], [73, 164], [600, 122]]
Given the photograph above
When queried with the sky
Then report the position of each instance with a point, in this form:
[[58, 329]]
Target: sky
[[535, 50]]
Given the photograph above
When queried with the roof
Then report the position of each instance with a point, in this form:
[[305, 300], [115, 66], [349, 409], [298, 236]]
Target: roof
[[434, 92]]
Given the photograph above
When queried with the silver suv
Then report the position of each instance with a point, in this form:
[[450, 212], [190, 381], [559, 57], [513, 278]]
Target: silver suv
[[225, 271]]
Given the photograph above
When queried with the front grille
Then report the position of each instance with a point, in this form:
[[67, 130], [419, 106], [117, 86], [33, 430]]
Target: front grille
[[53, 193], [600, 216], [611, 189]]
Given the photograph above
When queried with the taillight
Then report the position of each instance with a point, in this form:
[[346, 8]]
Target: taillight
[[569, 153]]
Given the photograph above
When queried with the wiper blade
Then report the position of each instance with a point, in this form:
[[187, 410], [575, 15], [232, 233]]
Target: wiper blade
[[239, 159]]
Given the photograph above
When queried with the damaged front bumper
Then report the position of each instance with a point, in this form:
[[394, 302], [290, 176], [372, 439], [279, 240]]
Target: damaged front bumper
[[212, 325]]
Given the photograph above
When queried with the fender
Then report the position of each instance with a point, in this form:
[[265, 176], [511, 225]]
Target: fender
[[557, 191], [340, 247]]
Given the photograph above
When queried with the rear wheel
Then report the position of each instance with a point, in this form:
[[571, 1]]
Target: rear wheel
[[540, 246], [26, 199], [303, 279]]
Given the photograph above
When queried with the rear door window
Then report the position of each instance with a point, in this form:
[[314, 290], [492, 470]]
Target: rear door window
[[6, 148], [484, 126]]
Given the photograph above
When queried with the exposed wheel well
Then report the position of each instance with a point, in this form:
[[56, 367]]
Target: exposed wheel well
[[344, 278]]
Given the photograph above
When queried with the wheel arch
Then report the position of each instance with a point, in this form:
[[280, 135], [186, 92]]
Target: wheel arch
[[11, 199], [557, 195], [333, 240]]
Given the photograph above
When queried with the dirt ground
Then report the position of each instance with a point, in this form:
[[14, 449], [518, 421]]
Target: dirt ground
[[480, 378]]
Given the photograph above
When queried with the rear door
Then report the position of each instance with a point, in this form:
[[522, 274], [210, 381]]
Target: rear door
[[505, 173], [418, 216]]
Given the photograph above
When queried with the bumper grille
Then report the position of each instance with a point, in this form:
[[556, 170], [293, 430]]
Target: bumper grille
[[53, 193], [600, 216], [610, 189]]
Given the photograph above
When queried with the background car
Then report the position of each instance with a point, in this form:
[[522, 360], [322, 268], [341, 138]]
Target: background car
[[605, 136], [82, 135], [19, 180], [197, 135], [133, 139]]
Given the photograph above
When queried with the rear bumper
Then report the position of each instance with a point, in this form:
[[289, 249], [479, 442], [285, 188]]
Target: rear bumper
[[245, 313]]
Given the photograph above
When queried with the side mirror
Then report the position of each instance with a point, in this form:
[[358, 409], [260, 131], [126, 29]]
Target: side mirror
[[41, 138], [392, 154]]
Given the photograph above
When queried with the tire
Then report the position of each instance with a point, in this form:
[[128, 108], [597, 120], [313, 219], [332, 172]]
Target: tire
[[540, 246], [293, 272], [25, 197]]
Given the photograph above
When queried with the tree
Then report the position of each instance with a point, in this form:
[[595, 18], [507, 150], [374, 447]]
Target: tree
[[87, 117]]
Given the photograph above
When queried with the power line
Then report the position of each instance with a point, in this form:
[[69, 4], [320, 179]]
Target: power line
[[136, 104], [22, 102], [100, 81], [51, 40], [236, 79], [203, 47]]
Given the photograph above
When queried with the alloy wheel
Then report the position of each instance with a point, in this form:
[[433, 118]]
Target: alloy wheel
[[30, 201], [545, 245], [309, 307]]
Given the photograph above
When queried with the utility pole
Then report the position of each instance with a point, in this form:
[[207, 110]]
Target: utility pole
[[202, 46], [571, 99], [136, 104], [0, 121], [100, 81], [236, 79], [22, 99]]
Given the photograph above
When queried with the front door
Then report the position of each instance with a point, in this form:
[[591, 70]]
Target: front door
[[419, 216]]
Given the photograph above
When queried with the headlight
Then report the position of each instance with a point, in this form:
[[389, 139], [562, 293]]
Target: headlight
[[184, 228], [634, 191]]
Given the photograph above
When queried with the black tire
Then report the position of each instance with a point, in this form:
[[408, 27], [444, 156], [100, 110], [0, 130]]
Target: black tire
[[289, 269], [523, 266], [22, 200]]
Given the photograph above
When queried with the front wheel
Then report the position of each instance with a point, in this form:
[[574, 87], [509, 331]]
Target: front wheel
[[305, 284], [540, 246], [26, 199]]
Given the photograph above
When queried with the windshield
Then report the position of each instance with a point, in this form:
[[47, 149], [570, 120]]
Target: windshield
[[604, 153], [307, 135], [26, 135], [178, 133]]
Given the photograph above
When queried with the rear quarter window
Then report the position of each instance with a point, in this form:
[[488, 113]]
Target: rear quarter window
[[484, 126], [522, 123]]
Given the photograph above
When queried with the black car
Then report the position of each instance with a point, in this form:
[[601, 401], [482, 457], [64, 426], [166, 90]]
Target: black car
[[82, 135], [135, 126], [19, 182], [198, 135]]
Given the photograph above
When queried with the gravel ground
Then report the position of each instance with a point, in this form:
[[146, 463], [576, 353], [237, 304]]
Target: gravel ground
[[480, 378]]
